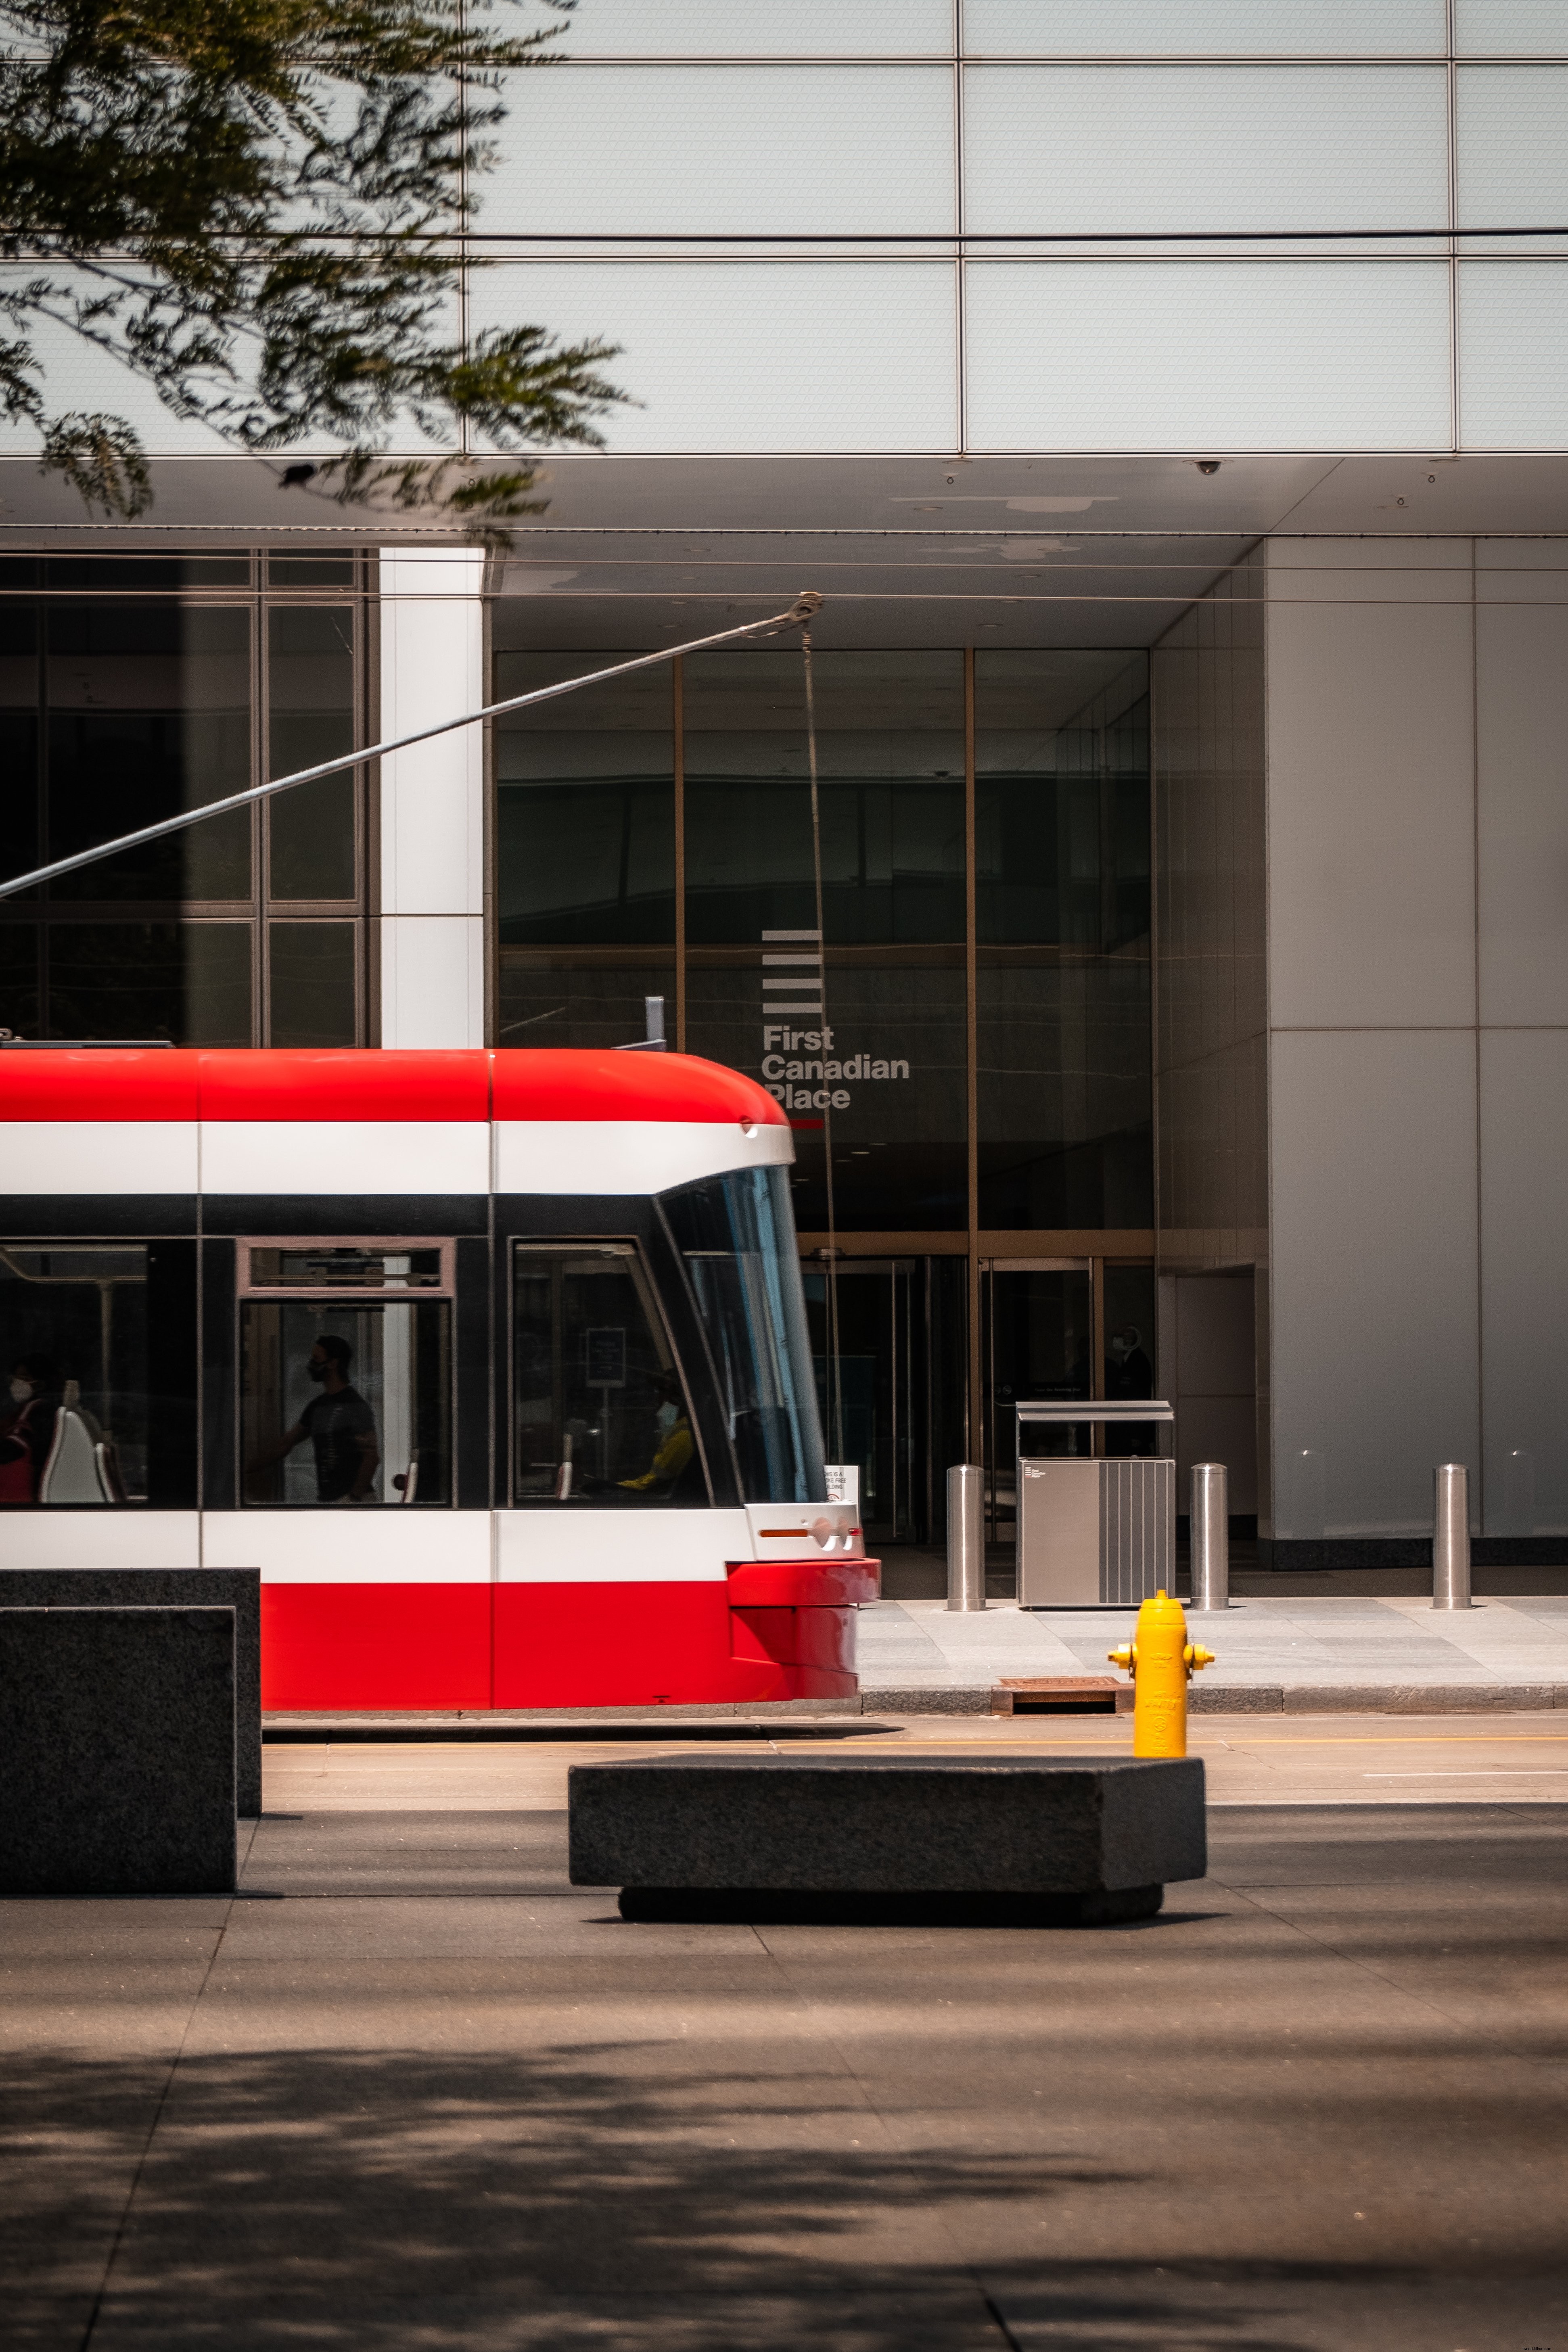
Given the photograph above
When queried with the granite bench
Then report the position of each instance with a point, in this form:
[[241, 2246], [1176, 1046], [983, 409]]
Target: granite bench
[[238, 1589], [117, 1740], [1050, 1840]]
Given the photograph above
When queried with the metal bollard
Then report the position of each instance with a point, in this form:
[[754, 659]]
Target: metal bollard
[[1211, 1536], [1451, 1537], [1162, 1662], [965, 1538]]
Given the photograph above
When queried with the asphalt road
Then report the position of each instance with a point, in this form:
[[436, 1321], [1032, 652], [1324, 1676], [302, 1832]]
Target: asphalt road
[[411, 2090]]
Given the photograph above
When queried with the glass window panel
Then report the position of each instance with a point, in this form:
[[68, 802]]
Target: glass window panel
[[557, 1001], [696, 28], [1064, 1093], [739, 359], [18, 739], [313, 984], [310, 571], [1513, 141], [311, 717], [345, 1401], [1130, 1354], [76, 1423], [1513, 352], [680, 150], [738, 1239], [147, 571], [1037, 1334], [600, 1413], [890, 757], [1258, 27], [149, 713], [586, 805], [1189, 354], [1525, 27], [345, 1265], [20, 1002], [1106, 147], [1061, 803], [189, 982]]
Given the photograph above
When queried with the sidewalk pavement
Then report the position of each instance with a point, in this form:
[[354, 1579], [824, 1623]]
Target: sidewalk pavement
[[1272, 1656]]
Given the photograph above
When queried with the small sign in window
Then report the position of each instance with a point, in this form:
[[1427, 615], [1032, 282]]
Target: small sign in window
[[605, 1353]]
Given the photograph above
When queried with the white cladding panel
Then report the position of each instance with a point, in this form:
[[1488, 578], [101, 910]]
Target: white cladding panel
[[723, 149], [1177, 355], [1521, 656], [1374, 1297], [1512, 149], [744, 355], [98, 1156], [1162, 148], [328, 1156], [1514, 355], [637, 1156], [106, 1538], [1524, 28], [618, 1547], [1524, 1278], [350, 1545], [1258, 27], [1371, 794], [718, 28]]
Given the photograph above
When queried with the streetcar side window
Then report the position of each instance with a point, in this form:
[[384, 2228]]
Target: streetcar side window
[[736, 1234], [600, 1412], [76, 1414], [345, 1373]]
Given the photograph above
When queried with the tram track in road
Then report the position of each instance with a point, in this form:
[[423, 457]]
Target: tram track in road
[[1376, 1762]]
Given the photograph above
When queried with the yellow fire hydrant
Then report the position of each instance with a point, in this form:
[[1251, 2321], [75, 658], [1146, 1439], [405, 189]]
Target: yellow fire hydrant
[[1162, 1662]]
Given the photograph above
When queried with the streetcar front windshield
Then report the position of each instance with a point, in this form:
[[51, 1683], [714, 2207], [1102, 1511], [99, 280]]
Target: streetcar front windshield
[[736, 1234]]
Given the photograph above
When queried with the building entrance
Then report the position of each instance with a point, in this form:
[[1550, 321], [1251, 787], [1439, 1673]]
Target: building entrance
[[1053, 1329], [892, 1396]]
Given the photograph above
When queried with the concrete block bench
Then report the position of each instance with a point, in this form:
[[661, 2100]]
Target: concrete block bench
[[238, 1589], [117, 1751], [1068, 1840]]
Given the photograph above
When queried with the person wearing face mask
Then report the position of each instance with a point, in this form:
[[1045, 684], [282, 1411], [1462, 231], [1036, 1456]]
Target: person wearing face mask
[[674, 1444], [29, 1429], [340, 1425]]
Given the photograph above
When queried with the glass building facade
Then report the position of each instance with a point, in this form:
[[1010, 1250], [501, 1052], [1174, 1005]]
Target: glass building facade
[[135, 686]]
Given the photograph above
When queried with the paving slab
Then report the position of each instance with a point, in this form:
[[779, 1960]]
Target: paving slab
[[410, 2091], [1381, 1651]]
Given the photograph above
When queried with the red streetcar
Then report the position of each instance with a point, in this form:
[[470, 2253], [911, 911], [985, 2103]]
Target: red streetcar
[[496, 1364]]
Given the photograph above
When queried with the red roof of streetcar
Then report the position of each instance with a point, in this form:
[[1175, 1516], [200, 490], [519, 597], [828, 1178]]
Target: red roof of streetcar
[[474, 1084]]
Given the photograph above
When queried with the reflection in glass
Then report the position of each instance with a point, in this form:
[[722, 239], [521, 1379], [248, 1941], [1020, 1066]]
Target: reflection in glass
[[313, 998], [311, 717], [75, 1415], [1062, 911], [350, 1265], [1038, 1335], [585, 807], [149, 713], [567, 999], [1128, 1368], [345, 1401], [19, 778], [890, 754], [737, 1236], [189, 982], [600, 1412]]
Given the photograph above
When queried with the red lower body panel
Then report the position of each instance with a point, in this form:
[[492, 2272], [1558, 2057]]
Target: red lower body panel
[[470, 1646], [375, 1646]]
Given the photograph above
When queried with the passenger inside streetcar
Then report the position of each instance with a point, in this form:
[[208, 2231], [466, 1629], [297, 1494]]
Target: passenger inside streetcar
[[340, 1425], [27, 1431]]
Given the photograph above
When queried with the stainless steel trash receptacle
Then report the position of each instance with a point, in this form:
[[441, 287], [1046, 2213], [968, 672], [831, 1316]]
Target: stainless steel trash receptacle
[[1094, 1531]]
